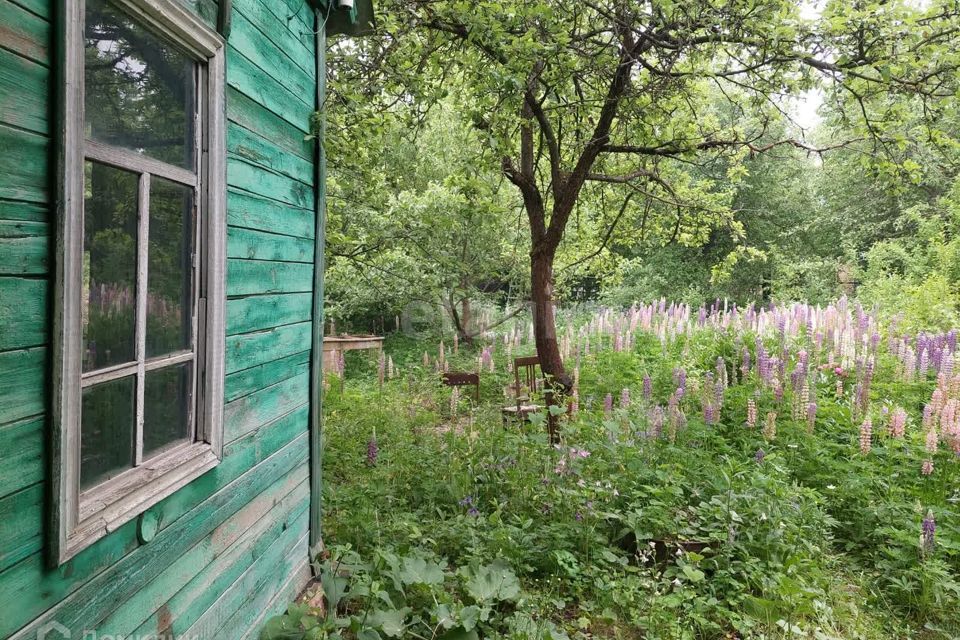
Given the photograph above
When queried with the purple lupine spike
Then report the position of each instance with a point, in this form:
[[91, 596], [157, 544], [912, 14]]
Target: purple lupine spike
[[647, 387], [928, 530]]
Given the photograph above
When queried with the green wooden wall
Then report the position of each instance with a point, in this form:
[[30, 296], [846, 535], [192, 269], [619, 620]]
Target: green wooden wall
[[232, 546]]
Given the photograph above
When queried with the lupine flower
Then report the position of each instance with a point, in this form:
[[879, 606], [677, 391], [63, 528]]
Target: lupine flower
[[647, 387], [866, 435], [811, 416], [898, 422], [624, 398], [608, 404], [709, 414], [930, 444], [770, 426], [391, 370], [929, 417], [381, 369], [657, 418], [928, 529], [454, 401], [751, 413], [927, 467], [759, 456], [426, 360], [372, 451]]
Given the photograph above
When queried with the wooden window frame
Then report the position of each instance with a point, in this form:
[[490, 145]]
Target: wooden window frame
[[80, 518]]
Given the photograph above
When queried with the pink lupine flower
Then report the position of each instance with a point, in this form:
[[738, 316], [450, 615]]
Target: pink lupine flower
[[608, 404], [751, 413], [625, 398], [647, 387], [426, 360], [866, 435], [898, 422], [927, 467], [929, 414], [931, 441]]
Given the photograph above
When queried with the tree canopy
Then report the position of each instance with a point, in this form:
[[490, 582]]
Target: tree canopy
[[624, 126]]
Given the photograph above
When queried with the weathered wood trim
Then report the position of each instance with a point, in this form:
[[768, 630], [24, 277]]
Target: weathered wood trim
[[176, 22], [133, 161], [316, 360], [143, 243], [214, 160], [67, 334], [78, 520], [120, 499]]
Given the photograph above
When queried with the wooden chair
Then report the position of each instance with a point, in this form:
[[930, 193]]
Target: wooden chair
[[524, 368], [463, 379]]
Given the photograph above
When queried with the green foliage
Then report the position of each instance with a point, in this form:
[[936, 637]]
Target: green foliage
[[697, 194], [461, 526]]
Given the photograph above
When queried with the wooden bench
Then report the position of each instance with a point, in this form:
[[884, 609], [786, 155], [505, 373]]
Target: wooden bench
[[463, 379]]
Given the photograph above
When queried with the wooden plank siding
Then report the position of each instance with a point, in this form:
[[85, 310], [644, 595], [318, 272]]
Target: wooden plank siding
[[232, 545]]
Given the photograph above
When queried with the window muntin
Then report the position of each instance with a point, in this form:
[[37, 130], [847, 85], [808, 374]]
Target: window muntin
[[139, 337]]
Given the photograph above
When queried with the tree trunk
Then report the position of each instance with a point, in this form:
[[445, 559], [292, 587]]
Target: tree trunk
[[558, 383], [466, 318], [544, 323], [461, 324]]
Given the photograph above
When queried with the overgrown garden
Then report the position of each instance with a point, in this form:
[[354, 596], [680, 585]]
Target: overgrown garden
[[746, 322]]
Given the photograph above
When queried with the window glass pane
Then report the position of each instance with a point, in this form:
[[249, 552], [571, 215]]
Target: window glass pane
[[107, 418], [169, 271], [166, 401], [109, 266], [140, 92]]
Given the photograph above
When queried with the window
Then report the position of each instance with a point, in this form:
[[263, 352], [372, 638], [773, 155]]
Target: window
[[139, 341]]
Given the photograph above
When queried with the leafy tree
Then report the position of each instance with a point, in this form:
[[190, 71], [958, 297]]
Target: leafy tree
[[579, 98], [421, 220]]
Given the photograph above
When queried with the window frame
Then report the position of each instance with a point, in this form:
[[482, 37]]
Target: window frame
[[80, 517]]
